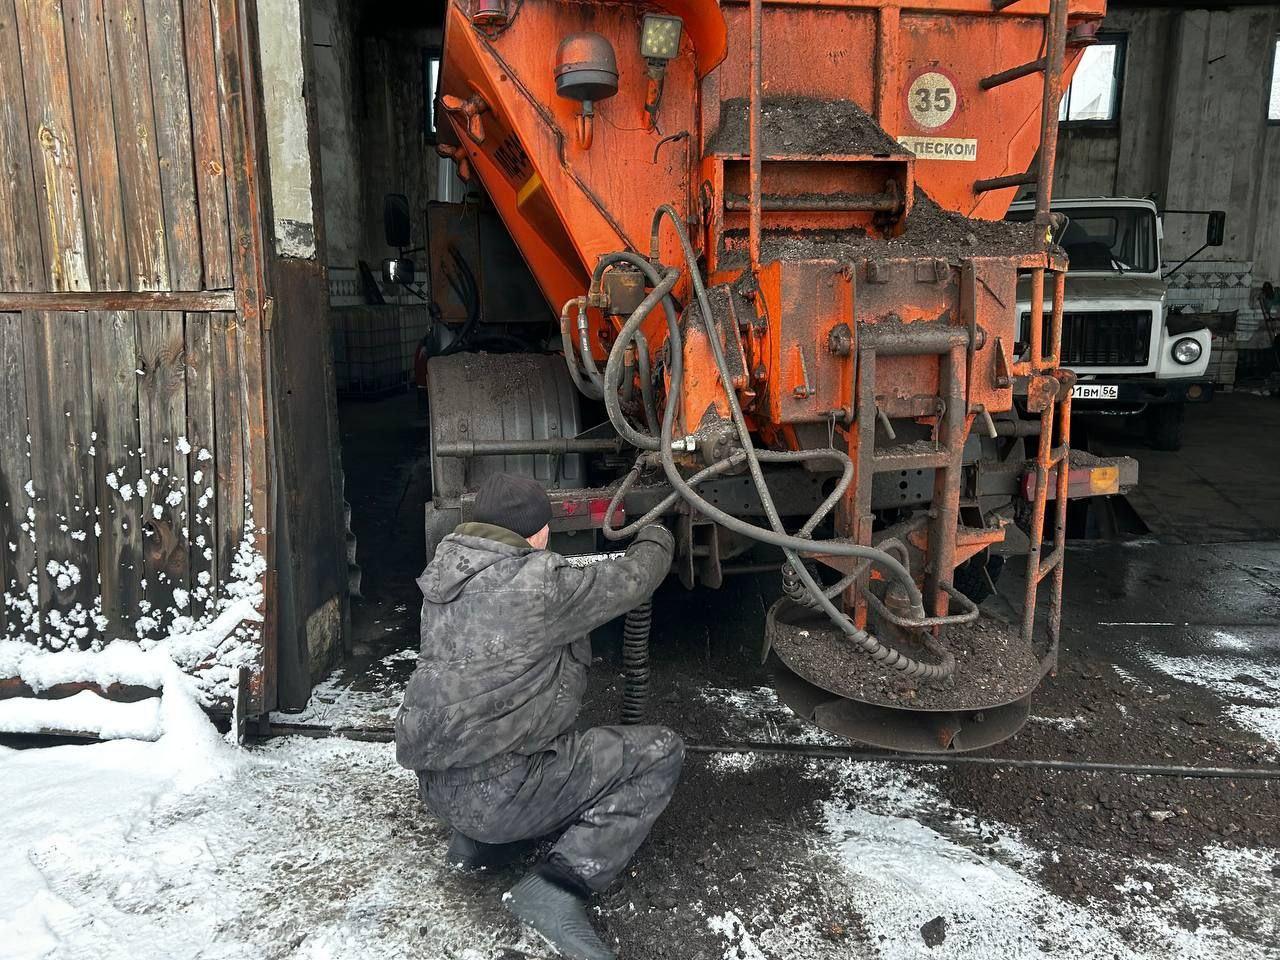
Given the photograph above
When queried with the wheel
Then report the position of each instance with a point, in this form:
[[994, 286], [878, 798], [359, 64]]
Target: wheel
[[440, 522], [510, 396], [1164, 426]]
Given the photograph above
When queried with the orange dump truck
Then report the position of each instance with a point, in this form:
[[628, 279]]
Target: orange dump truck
[[788, 316]]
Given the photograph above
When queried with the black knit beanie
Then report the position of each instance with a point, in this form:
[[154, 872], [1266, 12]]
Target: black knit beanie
[[518, 504]]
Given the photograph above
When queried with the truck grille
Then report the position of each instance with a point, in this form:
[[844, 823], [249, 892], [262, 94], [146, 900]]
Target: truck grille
[[1106, 338]]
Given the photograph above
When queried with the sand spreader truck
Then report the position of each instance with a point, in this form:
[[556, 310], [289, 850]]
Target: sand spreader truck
[[788, 316]]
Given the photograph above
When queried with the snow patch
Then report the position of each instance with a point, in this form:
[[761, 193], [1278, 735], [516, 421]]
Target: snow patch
[[758, 714], [906, 856], [86, 714], [1233, 678], [1065, 724], [740, 944]]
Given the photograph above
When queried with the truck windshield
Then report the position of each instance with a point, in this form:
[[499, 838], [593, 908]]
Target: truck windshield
[[1105, 238]]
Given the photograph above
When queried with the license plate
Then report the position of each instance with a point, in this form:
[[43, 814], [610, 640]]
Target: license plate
[[1095, 391]]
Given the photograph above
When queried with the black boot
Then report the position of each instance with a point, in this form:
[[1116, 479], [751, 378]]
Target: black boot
[[553, 902], [468, 854]]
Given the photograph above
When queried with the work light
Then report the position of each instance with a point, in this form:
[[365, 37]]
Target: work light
[[660, 36]]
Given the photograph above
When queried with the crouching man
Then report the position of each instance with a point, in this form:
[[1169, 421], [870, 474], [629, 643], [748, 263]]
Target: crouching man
[[487, 714]]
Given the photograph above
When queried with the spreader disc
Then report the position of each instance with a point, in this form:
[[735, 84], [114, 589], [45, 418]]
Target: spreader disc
[[827, 680]]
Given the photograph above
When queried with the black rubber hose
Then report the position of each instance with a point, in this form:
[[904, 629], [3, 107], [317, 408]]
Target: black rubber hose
[[635, 663], [585, 386], [662, 285], [613, 371], [882, 654], [644, 369]]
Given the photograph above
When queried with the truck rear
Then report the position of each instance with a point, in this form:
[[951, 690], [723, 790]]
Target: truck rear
[[788, 320]]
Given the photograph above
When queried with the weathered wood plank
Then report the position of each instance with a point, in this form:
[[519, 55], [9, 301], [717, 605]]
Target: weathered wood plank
[[118, 468], [239, 138], [106, 248], [162, 411], [21, 255], [56, 355], [137, 151], [210, 164], [121, 300], [51, 125], [229, 458], [173, 136], [17, 545], [202, 510]]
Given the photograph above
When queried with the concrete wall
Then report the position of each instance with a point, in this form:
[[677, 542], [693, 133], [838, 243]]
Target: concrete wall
[[336, 64], [371, 102], [1192, 132], [285, 106], [370, 93]]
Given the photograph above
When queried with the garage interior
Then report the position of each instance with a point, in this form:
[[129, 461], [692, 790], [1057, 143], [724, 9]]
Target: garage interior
[[1182, 569], [1136, 814]]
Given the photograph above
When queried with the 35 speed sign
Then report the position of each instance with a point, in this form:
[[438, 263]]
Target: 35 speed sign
[[931, 99]]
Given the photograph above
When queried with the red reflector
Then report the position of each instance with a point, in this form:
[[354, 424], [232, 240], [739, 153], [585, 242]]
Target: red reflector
[[598, 508]]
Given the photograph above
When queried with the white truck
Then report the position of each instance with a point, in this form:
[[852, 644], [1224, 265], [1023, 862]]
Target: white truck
[[1131, 355]]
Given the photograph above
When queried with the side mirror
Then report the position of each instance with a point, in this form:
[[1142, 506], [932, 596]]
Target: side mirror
[[398, 270], [1217, 229], [395, 220]]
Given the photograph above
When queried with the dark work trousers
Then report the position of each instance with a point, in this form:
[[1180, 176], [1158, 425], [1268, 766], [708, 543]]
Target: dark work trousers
[[604, 788]]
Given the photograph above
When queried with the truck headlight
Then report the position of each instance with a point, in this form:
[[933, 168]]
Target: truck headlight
[[1187, 350]]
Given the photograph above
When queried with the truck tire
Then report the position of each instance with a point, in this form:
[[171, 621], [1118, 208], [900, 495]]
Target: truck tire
[[439, 523], [1164, 426], [509, 396]]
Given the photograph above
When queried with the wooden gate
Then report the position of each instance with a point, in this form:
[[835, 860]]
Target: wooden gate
[[133, 436]]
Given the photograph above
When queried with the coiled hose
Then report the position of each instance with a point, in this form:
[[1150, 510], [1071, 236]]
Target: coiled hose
[[684, 489], [635, 663]]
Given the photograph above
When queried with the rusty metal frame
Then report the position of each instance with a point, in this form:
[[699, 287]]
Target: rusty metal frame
[[1055, 403]]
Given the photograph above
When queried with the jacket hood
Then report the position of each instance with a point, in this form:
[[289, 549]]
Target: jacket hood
[[468, 551]]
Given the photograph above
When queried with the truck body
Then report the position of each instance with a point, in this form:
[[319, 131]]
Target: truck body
[[788, 321], [1130, 354]]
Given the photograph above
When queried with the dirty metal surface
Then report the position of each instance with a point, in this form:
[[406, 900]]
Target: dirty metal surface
[[934, 732], [994, 665]]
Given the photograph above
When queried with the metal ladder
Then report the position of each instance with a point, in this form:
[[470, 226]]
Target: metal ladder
[[1049, 389]]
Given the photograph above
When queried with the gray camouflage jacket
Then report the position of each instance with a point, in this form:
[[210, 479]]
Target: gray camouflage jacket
[[505, 650]]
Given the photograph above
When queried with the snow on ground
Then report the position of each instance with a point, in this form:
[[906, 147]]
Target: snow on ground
[[757, 714], [188, 847], [907, 857], [65, 802], [894, 846], [740, 944], [1232, 678], [1065, 724]]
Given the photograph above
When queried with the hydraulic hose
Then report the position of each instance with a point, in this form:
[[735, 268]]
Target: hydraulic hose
[[635, 662], [779, 538], [570, 354], [777, 535], [662, 286], [584, 346], [645, 372]]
